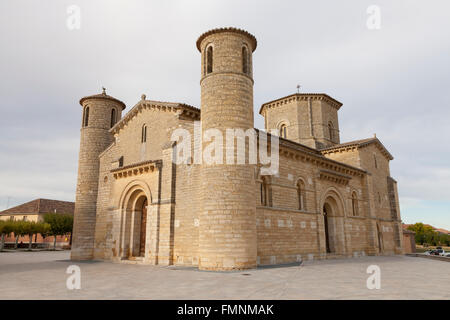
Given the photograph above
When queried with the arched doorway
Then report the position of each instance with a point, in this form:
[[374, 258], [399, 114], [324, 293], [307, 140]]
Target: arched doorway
[[333, 221], [134, 225]]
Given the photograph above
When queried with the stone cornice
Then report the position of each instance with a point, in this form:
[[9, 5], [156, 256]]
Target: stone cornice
[[180, 109], [298, 151], [298, 97], [334, 177], [349, 146], [21, 214], [228, 29], [136, 169]]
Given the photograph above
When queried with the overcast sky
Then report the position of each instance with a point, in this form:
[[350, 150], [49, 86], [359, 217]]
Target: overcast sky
[[394, 81]]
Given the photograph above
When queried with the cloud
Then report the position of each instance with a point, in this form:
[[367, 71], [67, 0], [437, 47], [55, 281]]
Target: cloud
[[393, 81]]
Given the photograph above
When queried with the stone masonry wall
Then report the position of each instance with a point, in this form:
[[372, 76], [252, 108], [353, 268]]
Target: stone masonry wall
[[95, 138], [287, 234], [381, 196], [227, 231]]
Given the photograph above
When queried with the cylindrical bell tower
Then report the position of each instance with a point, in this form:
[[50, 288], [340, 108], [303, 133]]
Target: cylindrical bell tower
[[227, 231], [100, 113]]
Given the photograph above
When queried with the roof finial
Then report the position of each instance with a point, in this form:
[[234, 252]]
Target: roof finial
[[374, 135], [143, 96], [298, 88], [104, 90]]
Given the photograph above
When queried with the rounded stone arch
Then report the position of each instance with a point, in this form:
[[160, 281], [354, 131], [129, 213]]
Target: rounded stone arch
[[245, 59], [130, 189], [282, 122], [331, 129], [300, 179], [339, 203], [133, 204], [282, 127], [264, 188], [354, 201], [333, 213], [208, 59], [209, 44], [300, 186]]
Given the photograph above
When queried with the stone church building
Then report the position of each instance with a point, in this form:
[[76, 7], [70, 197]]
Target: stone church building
[[134, 204]]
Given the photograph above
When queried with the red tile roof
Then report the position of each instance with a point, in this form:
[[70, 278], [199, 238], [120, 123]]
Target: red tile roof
[[41, 206]]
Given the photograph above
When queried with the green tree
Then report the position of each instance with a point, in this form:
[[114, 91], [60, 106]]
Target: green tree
[[6, 228], [60, 225], [19, 229], [31, 228], [443, 239], [43, 229], [424, 233], [2, 226]]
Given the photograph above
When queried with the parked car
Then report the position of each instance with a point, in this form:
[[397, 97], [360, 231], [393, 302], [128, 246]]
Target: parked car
[[438, 252]]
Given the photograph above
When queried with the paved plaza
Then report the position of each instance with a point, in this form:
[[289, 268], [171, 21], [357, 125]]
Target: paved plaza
[[42, 275]]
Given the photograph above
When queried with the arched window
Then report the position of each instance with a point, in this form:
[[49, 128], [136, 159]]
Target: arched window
[[144, 133], [283, 131], [86, 117], [209, 60], [379, 198], [245, 60], [301, 194], [113, 117], [330, 130], [354, 204], [375, 161], [265, 193]]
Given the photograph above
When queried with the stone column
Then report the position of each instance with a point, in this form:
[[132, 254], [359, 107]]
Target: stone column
[[95, 138], [227, 231]]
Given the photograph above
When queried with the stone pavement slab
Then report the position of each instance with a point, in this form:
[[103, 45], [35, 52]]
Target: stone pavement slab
[[42, 275]]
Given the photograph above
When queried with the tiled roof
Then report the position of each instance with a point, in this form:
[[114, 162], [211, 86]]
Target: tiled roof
[[228, 29], [103, 96], [41, 206], [313, 152], [352, 143], [359, 144], [158, 105], [301, 96], [440, 230]]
